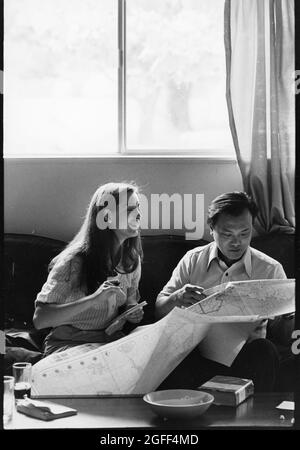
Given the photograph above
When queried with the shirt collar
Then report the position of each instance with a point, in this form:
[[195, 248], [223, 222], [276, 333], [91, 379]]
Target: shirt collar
[[213, 253], [247, 262], [246, 259]]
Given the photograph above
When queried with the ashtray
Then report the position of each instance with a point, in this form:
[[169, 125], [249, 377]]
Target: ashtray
[[179, 403]]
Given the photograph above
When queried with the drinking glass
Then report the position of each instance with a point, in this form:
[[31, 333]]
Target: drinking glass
[[22, 375]]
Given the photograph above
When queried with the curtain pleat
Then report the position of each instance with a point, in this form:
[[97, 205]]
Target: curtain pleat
[[259, 46]]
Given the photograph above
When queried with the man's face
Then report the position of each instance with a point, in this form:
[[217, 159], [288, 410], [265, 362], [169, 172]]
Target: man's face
[[232, 234]]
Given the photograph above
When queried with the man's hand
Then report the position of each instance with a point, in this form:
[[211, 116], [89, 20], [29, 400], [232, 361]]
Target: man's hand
[[188, 295]]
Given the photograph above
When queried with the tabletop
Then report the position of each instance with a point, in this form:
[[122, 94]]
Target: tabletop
[[132, 412]]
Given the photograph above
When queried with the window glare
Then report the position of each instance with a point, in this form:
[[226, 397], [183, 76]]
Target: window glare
[[175, 76], [60, 80]]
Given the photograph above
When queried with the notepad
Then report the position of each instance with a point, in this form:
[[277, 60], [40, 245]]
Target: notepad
[[44, 410]]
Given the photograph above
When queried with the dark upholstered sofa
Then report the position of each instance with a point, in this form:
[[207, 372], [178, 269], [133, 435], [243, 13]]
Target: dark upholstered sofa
[[26, 259]]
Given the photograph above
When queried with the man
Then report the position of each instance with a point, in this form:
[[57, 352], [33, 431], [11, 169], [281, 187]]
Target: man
[[228, 258]]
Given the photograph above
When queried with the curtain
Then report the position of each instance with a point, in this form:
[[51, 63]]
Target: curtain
[[259, 45]]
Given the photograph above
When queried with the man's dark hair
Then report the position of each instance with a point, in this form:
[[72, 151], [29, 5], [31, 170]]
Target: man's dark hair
[[233, 203]]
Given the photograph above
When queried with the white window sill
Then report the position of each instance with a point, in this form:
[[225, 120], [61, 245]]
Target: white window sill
[[126, 157]]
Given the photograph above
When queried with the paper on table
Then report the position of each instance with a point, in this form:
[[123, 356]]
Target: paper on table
[[286, 405], [139, 362], [44, 410]]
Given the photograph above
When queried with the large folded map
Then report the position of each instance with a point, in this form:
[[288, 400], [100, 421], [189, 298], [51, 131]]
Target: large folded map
[[137, 363]]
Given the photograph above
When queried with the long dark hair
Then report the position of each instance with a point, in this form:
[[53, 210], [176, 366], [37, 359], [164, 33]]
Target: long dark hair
[[98, 248]]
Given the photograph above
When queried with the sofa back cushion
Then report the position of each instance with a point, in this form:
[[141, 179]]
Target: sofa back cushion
[[161, 255], [26, 259], [280, 247]]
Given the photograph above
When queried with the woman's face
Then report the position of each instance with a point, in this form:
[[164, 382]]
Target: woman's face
[[129, 217]]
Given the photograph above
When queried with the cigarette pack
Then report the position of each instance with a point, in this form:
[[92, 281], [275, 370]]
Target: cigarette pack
[[229, 391]]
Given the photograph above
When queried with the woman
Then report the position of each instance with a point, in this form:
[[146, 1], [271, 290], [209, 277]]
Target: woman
[[97, 272]]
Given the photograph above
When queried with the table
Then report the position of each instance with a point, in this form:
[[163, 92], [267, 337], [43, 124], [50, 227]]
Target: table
[[132, 412]]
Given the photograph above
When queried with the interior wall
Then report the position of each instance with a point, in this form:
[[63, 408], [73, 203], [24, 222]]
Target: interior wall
[[49, 197]]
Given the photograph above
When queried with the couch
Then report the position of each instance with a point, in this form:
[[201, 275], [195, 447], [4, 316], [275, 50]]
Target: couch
[[26, 259]]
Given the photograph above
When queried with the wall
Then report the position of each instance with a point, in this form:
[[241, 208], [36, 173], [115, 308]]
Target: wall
[[49, 197]]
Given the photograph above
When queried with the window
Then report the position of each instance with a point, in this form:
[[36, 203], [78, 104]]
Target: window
[[60, 77], [102, 77]]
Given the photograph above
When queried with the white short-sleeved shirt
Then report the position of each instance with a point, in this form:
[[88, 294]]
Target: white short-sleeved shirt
[[62, 286], [201, 266]]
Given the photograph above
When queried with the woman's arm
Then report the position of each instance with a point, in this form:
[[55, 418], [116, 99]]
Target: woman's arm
[[178, 291], [48, 315], [52, 315]]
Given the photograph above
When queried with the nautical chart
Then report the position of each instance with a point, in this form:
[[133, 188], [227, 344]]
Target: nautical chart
[[139, 362]]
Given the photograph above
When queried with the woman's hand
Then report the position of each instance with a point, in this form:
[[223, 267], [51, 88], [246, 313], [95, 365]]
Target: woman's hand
[[188, 295], [104, 292], [136, 316]]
